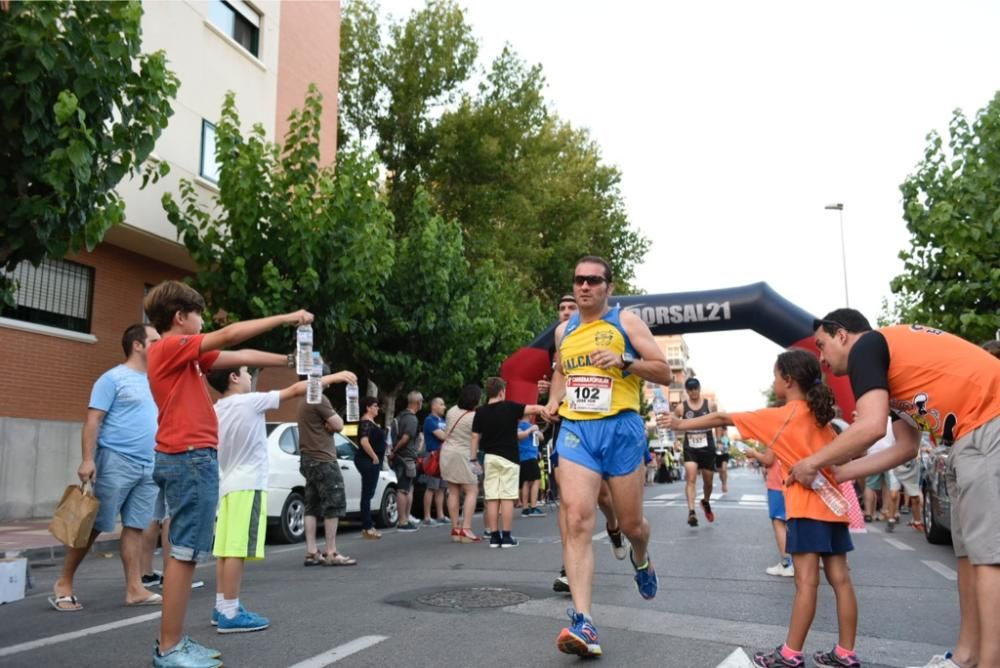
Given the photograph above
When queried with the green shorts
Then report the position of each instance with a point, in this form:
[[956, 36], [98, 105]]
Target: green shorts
[[241, 524]]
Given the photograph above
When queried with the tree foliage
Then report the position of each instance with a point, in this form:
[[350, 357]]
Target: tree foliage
[[530, 192], [286, 233], [80, 108], [951, 205]]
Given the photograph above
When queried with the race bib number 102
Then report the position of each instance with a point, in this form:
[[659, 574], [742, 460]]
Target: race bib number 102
[[589, 394]]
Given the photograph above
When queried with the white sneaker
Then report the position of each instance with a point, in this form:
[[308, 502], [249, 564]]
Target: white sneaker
[[781, 570], [940, 661]]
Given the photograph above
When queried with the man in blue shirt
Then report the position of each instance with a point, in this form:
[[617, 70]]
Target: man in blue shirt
[[118, 439], [434, 435]]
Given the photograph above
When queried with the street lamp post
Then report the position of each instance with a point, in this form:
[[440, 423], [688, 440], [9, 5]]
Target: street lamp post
[[843, 248]]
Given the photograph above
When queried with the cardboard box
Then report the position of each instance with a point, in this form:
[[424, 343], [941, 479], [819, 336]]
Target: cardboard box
[[13, 579]]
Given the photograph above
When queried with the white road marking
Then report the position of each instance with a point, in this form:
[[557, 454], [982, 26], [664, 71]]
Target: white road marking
[[754, 497], [738, 659], [340, 651], [667, 497], [887, 651], [872, 528], [898, 544], [941, 569], [63, 637]]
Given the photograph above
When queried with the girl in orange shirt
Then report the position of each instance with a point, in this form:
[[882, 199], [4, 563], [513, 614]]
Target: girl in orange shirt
[[792, 432]]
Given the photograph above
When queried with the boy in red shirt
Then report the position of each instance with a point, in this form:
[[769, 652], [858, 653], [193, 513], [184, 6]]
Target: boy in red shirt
[[187, 469]]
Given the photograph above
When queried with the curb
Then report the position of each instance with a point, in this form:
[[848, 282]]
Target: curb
[[53, 553]]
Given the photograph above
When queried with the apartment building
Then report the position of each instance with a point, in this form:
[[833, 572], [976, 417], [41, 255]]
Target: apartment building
[[66, 327]]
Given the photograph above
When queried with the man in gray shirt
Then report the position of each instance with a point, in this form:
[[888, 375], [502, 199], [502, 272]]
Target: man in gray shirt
[[403, 456]]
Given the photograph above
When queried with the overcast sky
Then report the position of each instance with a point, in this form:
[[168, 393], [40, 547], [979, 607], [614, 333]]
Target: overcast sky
[[734, 123]]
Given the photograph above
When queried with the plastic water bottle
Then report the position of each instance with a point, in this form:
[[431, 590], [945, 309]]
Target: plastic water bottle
[[660, 406], [304, 350], [314, 389], [831, 496], [352, 402]]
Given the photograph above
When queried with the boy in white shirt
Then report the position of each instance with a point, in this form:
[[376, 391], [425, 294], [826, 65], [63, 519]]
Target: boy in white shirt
[[243, 469]]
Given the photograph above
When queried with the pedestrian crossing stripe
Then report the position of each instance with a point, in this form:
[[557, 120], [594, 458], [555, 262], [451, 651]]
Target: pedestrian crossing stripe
[[738, 659]]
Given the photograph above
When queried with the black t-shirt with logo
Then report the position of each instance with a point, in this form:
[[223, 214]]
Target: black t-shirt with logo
[[703, 438], [496, 425]]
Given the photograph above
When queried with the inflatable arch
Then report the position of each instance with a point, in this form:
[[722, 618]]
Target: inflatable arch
[[754, 306]]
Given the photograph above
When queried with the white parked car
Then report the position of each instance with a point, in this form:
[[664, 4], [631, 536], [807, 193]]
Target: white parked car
[[286, 486]]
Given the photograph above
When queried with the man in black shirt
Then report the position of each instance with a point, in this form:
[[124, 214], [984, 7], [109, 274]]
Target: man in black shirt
[[494, 432]]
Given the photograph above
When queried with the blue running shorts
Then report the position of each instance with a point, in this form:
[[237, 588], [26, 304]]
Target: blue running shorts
[[611, 446]]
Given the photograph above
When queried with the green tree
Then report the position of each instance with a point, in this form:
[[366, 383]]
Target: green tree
[[394, 79], [528, 187], [80, 108], [286, 233], [951, 205], [441, 323]]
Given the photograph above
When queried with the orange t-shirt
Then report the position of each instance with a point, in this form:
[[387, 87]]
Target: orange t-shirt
[[187, 417], [939, 382], [775, 477], [792, 434]]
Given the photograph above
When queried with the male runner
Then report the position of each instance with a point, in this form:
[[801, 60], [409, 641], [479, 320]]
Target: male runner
[[567, 307], [722, 458], [601, 355], [932, 381], [699, 451]]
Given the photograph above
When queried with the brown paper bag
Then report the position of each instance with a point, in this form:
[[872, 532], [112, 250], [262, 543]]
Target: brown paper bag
[[74, 517]]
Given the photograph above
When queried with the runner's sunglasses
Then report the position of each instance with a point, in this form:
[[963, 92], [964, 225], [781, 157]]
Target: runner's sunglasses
[[589, 280]]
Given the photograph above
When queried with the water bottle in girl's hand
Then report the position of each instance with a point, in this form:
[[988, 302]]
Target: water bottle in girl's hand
[[832, 497]]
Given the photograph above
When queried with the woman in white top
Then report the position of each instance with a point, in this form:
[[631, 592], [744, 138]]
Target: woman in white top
[[460, 465]]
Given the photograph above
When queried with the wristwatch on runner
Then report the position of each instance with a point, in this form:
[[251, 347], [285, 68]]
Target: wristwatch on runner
[[627, 360]]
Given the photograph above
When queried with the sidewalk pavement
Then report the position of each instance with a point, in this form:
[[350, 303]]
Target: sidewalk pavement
[[31, 539]]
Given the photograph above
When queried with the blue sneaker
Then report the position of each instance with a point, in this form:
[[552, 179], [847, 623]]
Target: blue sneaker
[[645, 576], [581, 636], [215, 617], [244, 622], [186, 654]]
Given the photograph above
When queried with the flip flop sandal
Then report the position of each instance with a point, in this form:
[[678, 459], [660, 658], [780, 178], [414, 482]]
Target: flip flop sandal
[[338, 559], [314, 559], [57, 602], [152, 599]]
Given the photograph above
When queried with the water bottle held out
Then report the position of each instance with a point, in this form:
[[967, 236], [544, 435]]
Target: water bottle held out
[[660, 406], [830, 494], [352, 402], [304, 350], [314, 387]]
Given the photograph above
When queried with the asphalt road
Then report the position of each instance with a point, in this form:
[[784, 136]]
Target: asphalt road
[[714, 598]]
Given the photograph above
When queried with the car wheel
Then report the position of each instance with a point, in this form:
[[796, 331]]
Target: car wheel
[[388, 510], [933, 531], [292, 524]]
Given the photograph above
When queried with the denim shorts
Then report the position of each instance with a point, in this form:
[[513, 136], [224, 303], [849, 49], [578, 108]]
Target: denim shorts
[[123, 486], [190, 484]]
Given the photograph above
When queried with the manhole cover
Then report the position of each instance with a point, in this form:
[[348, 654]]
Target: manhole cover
[[475, 597]]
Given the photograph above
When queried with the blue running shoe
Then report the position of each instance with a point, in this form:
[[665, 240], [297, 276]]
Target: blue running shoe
[[215, 617], [244, 622], [186, 654], [645, 576], [581, 636]]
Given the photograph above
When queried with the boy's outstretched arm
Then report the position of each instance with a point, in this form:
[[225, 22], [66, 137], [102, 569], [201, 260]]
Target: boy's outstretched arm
[[299, 388], [710, 421], [230, 359], [238, 332]]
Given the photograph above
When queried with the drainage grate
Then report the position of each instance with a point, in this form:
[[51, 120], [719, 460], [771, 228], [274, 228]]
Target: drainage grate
[[474, 597]]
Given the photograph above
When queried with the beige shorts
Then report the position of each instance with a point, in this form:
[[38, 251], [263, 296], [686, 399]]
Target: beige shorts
[[500, 478], [973, 472]]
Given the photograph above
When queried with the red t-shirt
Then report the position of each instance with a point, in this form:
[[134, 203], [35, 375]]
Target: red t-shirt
[[792, 434], [187, 418]]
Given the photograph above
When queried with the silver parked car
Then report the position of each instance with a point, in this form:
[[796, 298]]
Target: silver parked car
[[286, 486]]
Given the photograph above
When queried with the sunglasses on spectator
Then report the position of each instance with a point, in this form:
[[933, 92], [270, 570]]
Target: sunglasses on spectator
[[589, 280]]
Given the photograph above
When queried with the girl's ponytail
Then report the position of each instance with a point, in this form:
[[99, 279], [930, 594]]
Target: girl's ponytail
[[804, 369]]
